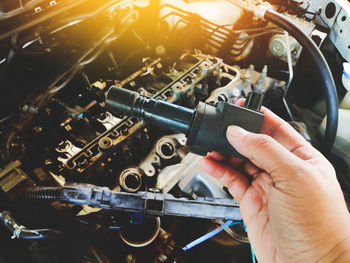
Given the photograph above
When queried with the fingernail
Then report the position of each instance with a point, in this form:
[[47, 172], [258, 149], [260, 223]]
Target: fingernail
[[236, 132]]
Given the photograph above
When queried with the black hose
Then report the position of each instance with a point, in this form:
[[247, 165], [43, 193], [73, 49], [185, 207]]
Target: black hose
[[323, 70]]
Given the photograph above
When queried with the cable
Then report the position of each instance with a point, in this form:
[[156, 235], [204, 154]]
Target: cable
[[265, 11], [243, 5], [323, 70], [252, 253], [290, 77], [250, 244], [21, 232], [210, 234], [217, 231], [35, 234]]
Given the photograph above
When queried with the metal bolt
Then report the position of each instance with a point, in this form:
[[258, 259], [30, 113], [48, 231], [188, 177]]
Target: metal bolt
[[130, 258]]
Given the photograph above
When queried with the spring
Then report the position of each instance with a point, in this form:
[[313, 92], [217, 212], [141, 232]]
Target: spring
[[44, 193]]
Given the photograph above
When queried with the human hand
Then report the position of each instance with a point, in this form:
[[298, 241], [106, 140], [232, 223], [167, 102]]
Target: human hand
[[290, 199]]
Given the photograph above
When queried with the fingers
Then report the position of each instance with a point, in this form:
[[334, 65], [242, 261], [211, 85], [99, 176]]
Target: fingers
[[285, 134], [240, 102], [236, 182], [262, 150], [231, 161], [246, 167], [217, 156], [250, 169], [282, 132]]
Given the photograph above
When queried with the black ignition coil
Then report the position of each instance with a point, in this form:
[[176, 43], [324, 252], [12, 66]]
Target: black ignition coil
[[205, 126]]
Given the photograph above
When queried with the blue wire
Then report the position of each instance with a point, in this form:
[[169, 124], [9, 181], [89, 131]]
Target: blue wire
[[215, 232], [253, 254], [210, 234], [251, 248]]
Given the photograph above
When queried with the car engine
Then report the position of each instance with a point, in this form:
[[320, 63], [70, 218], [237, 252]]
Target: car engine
[[79, 183]]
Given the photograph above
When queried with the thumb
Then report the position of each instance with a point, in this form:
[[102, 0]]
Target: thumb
[[262, 150]]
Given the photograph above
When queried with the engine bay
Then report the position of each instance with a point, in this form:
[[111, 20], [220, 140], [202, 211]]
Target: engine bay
[[58, 59]]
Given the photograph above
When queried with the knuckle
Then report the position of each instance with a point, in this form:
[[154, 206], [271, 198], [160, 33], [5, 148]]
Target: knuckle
[[263, 141], [330, 168]]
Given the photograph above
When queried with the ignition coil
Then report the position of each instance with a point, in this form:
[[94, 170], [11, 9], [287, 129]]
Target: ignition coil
[[205, 127]]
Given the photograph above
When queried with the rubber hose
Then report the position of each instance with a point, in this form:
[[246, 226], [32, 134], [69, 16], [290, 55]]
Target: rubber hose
[[323, 70]]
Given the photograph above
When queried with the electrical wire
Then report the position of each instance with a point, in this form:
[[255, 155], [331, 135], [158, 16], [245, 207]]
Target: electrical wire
[[252, 253], [265, 11], [217, 231], [291, 75], [215, 34], [251, 248], [210, 234], [22, 232], [323, 72]]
